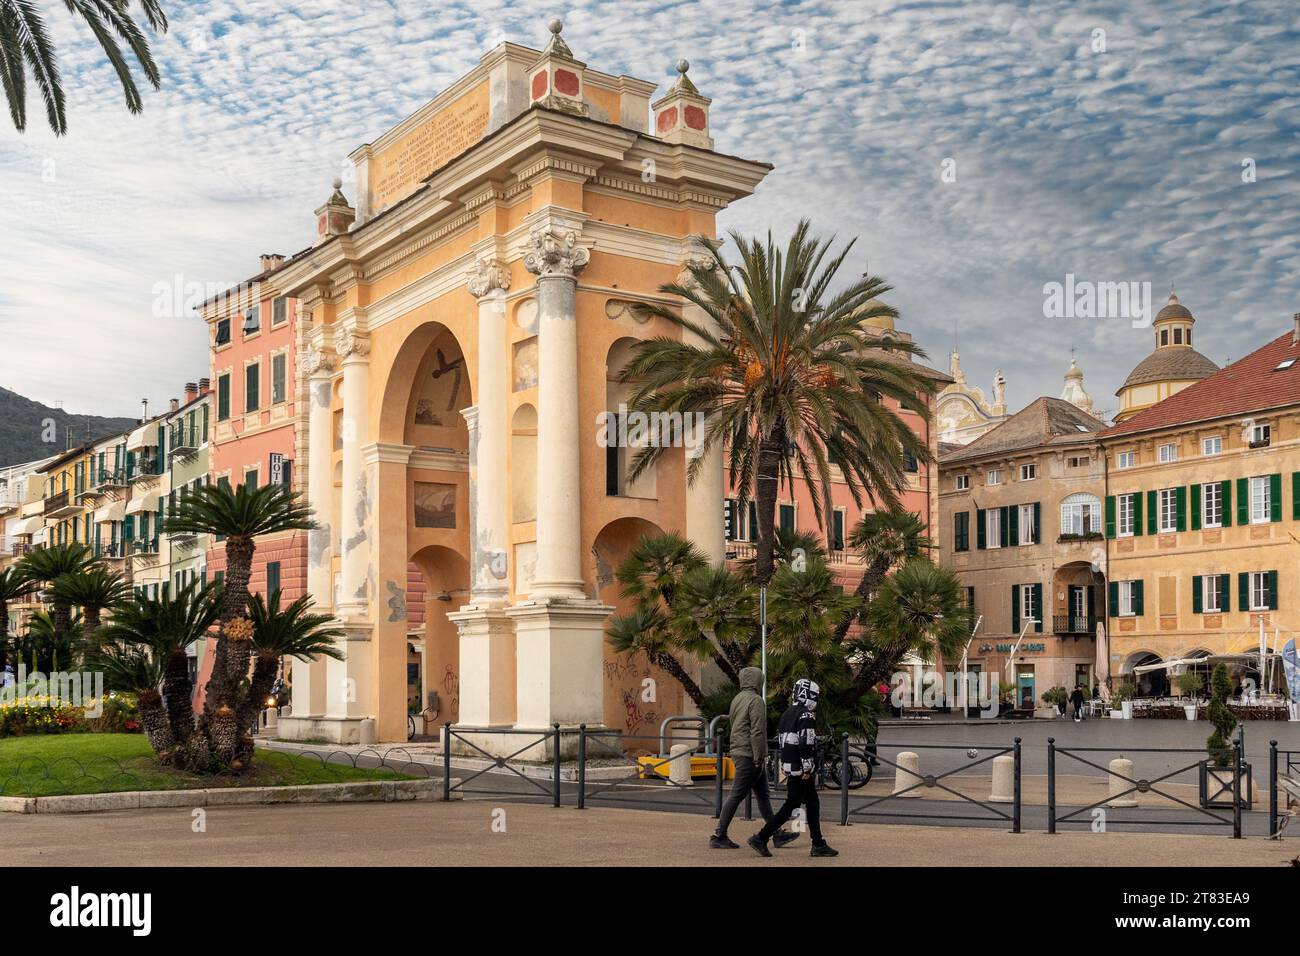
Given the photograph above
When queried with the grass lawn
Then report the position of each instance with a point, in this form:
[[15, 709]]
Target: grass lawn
[[55, 764]]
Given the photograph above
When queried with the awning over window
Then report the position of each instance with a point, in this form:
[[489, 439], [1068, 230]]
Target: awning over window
[[146, 436], [113, 511], [28, 525], [139, 503]]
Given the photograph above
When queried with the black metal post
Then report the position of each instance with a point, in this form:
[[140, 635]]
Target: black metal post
[[1051, 784], [844, 780], [446, 761], [1272, 790], [1015, 775], [582, 766], [1236, 789], [718, 770], [555, 766]]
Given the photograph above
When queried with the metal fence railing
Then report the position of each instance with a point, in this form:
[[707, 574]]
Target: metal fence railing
[[531, 743], [1283, 787], [613, 766]]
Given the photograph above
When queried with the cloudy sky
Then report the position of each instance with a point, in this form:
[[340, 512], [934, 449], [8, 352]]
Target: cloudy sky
[[978, 150]]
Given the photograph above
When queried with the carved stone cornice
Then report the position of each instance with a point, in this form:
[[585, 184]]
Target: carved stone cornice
[[316, 360], [555, 252], [487, 275], [696, 260], [350, 343]]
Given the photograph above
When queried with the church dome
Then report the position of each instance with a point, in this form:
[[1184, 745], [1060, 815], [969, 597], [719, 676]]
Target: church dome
[[1175, 310], [883, 322], [1170, 364]]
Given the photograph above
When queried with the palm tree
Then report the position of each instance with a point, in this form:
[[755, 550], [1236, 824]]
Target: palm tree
[[47, 565], [25, 45], [136, 670], [646, 629], [885, 539], [804, 609], [13, 586], [714, 614], [919, 609], [277, 634], [161, 629], [45, 647], [787, 375], [240, 516], [94, 591]]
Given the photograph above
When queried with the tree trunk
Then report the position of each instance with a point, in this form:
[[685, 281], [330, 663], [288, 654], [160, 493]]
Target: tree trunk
[[4, 635], [176, 690], [264, 670], [61, 616], [239, 567], [726, 667], [668, 663], [871, 579], [234, 600], [153, 721], [770, 453]]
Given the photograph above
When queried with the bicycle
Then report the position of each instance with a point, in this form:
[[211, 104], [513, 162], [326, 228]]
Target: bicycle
[[828, 762]]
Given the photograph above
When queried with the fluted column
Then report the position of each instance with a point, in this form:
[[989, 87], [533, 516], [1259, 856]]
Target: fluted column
[[704, 495], [353, 347], [489, 438], [309, 677], [556, 258]]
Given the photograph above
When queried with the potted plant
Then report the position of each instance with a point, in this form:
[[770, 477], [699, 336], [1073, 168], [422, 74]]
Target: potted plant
[[1058, 697], [1121, 701], [1217, 771], [1190, 684]]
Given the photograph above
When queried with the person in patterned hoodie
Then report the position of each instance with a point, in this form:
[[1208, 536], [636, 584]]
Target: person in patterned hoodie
[[797, 735]]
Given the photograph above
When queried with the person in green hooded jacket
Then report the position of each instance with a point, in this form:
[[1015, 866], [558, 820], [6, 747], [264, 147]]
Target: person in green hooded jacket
[[747, 723]]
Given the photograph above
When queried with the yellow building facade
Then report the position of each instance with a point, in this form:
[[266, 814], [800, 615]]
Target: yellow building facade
[[465, 325]]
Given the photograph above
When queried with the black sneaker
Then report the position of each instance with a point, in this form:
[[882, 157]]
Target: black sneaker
[[759, 845], [784, 838], [717, 842], [823, 849]]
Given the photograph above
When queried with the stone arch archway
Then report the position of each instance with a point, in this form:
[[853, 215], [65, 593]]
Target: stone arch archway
[[446, 589], [428, 384]]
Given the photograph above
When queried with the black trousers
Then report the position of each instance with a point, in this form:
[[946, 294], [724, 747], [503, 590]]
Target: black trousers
[[749, 778], [798, 792]]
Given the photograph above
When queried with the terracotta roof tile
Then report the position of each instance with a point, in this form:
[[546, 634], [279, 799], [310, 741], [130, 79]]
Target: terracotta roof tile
[[1043, 421], [1251, 384]]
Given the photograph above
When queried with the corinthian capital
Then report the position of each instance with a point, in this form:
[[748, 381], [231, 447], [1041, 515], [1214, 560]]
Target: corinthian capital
[[487, 275], [555, 252], [349, 342], [315, 360]]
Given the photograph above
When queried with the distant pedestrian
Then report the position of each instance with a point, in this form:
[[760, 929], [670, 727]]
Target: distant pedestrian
[[797, 733], [1077, 700], [748, 730]]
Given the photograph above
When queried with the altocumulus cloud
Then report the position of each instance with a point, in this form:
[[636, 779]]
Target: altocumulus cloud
[[1122, 164]]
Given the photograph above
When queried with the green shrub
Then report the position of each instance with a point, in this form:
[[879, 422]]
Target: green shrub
[[1218, 745]]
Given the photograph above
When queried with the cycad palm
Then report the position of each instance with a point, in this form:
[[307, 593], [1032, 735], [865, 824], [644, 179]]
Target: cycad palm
[[804, 608], [646, 630], [25, 45], [240, 515], [885, 539], [279, 633], [47, 565], [163, 628], [94, 591], [787, 375], [714, 614], [13, 586], [46, 647]]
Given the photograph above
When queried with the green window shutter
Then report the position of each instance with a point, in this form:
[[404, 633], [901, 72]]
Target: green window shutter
[[1138, 608], [980, 530], [1015, 609], [958, 531], [1224, 603], [1275, 497], [1153, 513], [1137, 513], [1004, 527], [162, 448], [272, 577], [1110, 516], [1243, 591], [1295, 495], [1225, 499], [204, 436], [1243, 501], [1038, 608], [1272, 590], [1180, 508], [128, 528], [1196, 593], [1013, 530], [1038, 523], [1196, 507]]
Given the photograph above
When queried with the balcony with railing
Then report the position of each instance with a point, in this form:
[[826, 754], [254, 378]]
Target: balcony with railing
[[146, 466], [182, 439], [60, 504], [840, 558], [1073, 625]]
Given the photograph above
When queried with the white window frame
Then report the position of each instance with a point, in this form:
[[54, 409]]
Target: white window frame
[[962, 482], [1212, 446], [1081, 514], [1027, 529], [1125, 460], [1167, 452], [1210, 594], [1259, 590], [1261, 434], [992, 529], [1125, 510], [1027, 609], [1126, 599], [1028, 472], [993, 476], [1211, 490], [1261, 504], [1167, 505]]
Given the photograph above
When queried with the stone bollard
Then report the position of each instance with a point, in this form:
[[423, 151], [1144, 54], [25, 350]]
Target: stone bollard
[[907, 774], [366, 733], [1124, 766], [270, 721], [679, 766], [1004, 780]]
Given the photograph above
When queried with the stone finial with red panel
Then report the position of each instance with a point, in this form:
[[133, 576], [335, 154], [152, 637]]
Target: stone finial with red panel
[[555, 79], [682, 114], [336, 216]]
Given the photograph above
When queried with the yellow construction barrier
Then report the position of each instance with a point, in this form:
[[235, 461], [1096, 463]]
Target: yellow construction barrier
[[702, 767]]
